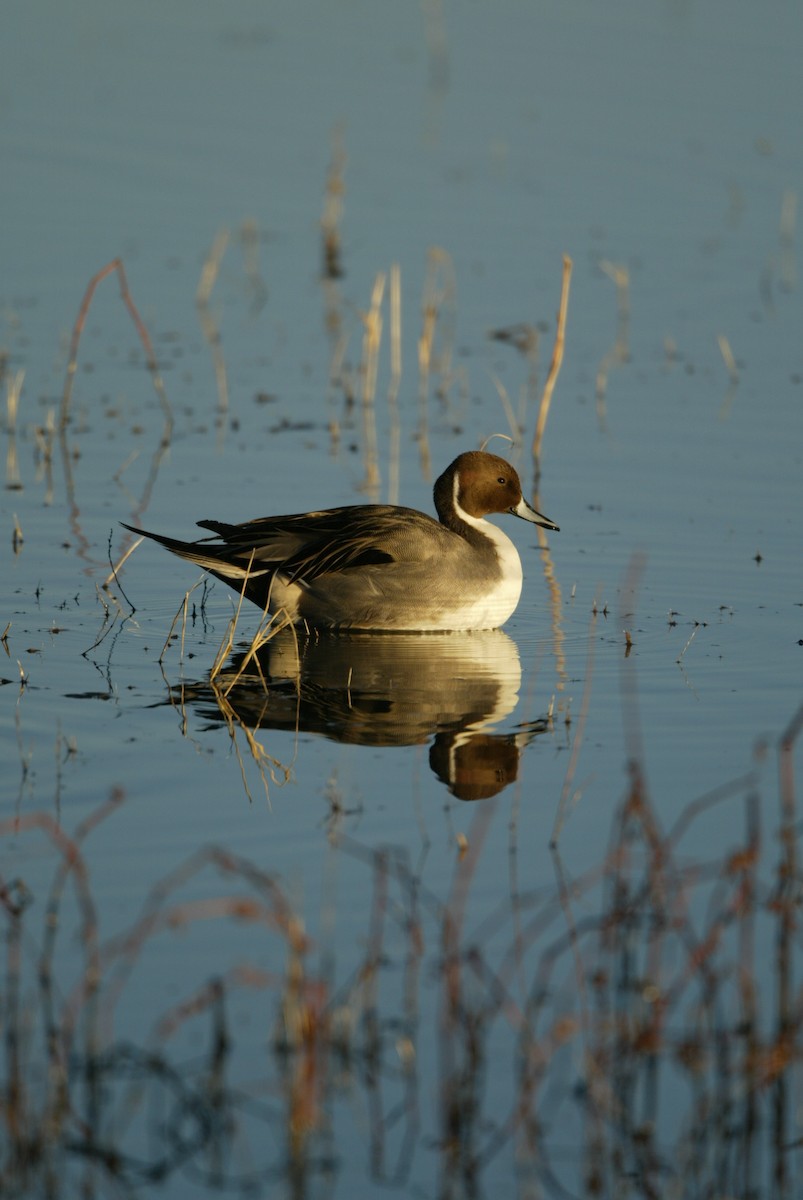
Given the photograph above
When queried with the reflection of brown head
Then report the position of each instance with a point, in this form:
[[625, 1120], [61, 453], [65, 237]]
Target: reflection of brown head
[[474, 767]]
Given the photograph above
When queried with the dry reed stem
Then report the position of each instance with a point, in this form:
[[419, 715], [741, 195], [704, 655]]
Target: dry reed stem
[[267, 630], [107, 601], [331, 271], [619, 352], [13, 477], [424, 358], [786, 762], [555, 364], [333, 211], [513, 424], [727, 358], [438, 304], [280, 773], [689, 641], [13, 393], [181, 611], [250, 242], [112, 576], [228, 639], [787, 238], [116, 265], [394, 440], [45, 436], [372, 337], [209, 325], [437, 44], [504, 436], [211, 268]]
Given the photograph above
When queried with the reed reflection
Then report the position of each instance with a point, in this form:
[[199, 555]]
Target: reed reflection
[[397, 690]]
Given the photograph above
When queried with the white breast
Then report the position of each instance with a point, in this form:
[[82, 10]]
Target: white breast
[[496, 603]]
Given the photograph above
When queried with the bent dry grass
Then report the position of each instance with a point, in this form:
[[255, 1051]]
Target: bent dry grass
[[221, 682], [631, 1032]]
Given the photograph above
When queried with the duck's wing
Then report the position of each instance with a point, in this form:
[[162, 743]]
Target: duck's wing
[[306, 545]]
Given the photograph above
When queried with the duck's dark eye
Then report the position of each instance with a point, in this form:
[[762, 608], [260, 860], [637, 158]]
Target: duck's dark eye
[[501, 479]]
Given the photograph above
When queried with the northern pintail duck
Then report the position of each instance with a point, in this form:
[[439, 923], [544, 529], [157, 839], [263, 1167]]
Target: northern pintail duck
[[381, 566]]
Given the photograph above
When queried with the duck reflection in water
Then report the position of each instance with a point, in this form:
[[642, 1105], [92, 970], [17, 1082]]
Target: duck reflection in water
[[392, 690]]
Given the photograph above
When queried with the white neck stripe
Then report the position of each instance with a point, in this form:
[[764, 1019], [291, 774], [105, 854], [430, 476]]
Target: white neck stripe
[[477, 522]]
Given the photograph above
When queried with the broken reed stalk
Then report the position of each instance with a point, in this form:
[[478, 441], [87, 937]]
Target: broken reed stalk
[[372, 337], [395, 384], [116, 265], [557, 359]]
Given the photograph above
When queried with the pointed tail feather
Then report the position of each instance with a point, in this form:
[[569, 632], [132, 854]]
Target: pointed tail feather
[[225, 563]]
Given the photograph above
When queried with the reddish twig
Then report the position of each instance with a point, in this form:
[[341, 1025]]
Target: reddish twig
[[115, 265]]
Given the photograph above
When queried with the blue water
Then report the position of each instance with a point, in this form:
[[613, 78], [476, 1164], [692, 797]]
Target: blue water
[[660, 139]]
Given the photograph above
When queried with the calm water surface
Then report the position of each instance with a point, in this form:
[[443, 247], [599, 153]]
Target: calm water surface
[[296, 926]]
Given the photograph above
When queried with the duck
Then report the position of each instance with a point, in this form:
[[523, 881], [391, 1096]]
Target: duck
[[381, 567]]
